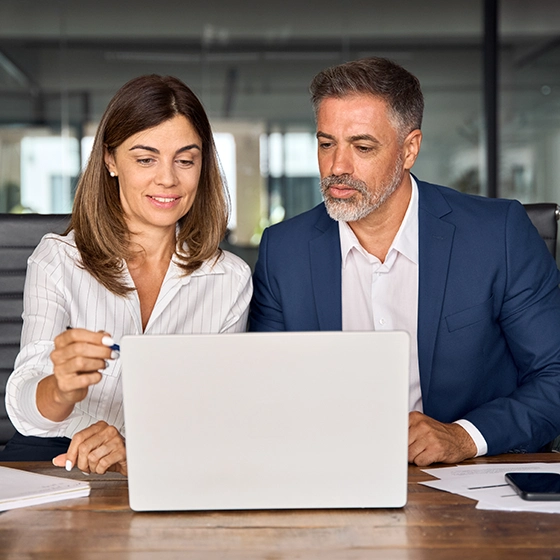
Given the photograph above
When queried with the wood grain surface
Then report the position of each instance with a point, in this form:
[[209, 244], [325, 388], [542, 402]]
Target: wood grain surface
[[433, 525]]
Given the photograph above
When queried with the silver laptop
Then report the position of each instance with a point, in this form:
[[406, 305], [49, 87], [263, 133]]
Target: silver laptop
[[266, 420]]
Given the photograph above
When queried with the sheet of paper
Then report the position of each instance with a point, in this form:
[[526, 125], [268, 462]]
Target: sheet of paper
[[21, 488], [492, 469], [487, 485]]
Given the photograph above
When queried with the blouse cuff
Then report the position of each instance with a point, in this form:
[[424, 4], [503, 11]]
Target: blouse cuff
[[29, 410]]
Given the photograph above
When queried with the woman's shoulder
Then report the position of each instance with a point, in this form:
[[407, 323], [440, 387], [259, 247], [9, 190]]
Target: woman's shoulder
[[53, 245]]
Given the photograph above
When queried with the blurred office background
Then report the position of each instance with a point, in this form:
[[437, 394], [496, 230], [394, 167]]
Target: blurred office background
[[251, 63]]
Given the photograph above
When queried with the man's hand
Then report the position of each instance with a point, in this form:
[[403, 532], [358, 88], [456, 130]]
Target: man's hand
[[97, 449], [430, 441]]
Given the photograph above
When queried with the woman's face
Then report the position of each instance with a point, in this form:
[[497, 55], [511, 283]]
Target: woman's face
[[158, 171]]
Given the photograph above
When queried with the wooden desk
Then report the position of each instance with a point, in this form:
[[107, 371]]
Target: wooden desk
[[434, 525]]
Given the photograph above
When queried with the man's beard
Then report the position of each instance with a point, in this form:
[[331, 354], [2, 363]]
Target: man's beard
[[359, 205]]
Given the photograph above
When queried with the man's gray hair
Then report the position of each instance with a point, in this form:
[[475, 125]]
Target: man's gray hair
[[375, 76]]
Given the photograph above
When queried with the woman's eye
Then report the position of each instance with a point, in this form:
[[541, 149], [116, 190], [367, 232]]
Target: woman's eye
[[185, 162], [145, 161]]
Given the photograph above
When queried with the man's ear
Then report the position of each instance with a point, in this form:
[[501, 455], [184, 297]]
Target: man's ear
[[411, 148]]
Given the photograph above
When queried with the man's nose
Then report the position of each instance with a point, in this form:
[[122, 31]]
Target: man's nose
[[341, 162]]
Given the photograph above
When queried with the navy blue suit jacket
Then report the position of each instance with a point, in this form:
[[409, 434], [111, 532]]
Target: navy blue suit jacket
[[488, 309]]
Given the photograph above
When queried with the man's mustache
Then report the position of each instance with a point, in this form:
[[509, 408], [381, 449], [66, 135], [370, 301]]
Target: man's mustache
[[345, 179]]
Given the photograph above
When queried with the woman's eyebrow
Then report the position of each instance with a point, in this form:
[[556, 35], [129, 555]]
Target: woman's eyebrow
[[156, 151], [189, 147]]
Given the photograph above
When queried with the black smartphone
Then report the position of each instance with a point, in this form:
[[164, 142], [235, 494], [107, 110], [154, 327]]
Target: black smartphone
[[535, 485]]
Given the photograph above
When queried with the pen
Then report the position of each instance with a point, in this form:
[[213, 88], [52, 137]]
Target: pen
[[107, 341], [489, 486]]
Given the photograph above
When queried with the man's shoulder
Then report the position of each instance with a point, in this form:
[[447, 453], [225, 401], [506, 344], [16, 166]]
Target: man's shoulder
[[309, 223], [438, 198]]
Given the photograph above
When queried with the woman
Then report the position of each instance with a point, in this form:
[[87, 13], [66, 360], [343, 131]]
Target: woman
[[140, 255]]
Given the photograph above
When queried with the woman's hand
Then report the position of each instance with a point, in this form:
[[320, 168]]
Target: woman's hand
[[97, 449], [77, 358]]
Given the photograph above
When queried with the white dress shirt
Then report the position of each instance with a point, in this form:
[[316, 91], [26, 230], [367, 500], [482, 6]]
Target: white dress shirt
[[384, 295], [59, 293]]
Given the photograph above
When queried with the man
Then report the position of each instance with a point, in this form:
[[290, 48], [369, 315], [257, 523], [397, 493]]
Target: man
[[468, 277]]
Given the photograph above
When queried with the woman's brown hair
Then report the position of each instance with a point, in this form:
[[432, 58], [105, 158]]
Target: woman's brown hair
[[98, 222]]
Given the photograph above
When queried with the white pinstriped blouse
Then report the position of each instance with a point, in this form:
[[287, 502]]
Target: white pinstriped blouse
[[59, 293]]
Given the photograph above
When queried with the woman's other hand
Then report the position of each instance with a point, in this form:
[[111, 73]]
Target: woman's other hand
[[97, 449]]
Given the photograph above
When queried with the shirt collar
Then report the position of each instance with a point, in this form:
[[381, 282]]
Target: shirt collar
[[405, 242], [208, 267]]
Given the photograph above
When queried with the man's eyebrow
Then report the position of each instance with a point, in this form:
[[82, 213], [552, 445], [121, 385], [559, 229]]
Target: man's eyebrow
[[355, 138], [366, 137], [156, 151]]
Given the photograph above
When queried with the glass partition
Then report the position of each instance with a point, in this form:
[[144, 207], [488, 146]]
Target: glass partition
[[530, 102], [251, 64]]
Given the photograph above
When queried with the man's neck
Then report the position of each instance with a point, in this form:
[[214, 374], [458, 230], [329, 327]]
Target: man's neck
[[376, 231]]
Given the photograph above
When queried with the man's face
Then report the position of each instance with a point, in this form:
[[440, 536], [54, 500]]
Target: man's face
[[361, 158]]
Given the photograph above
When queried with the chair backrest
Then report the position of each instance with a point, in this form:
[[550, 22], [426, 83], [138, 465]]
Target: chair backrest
[[544, 216], [19, 235]]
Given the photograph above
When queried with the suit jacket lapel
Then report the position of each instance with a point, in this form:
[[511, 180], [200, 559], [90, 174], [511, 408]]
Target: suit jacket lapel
[[435, 242], [326, 274], [434, 252]]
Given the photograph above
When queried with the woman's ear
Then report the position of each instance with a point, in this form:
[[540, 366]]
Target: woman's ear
[[110, 163]]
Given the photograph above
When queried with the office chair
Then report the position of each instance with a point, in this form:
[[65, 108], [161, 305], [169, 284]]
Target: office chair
[[19, 235], [544, 216]]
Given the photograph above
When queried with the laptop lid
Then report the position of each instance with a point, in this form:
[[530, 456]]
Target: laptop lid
[[266, 420]]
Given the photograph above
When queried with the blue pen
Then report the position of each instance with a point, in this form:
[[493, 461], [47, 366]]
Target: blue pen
[[114, 347]]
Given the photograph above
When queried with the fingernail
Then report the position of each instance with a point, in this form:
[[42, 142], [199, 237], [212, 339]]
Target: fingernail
[[86, 473], [114, 354], [69, 465], [107, 341]]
